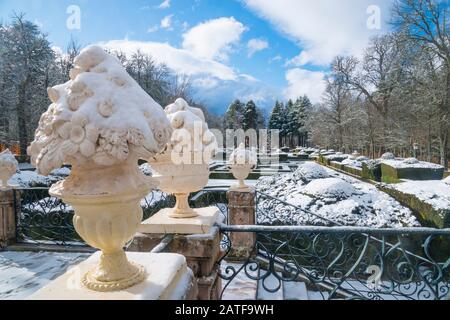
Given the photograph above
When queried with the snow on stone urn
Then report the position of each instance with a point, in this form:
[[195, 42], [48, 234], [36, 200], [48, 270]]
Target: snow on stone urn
[[183, 167], [241, 163], [101, 122], [8, 166]]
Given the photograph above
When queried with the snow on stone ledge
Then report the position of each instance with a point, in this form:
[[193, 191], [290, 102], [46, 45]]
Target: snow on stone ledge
[[434, 192]]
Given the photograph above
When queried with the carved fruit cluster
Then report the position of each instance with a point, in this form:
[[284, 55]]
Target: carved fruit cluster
[[101, 115]]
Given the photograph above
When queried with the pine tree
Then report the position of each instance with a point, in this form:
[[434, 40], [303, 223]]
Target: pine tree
[[250, 120], [304, 107], [234, 116], [261, 119], [277, 119], [290, 125]]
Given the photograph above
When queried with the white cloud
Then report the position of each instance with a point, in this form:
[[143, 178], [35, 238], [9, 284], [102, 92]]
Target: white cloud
[[180, 60], [164, 5], [205, 83], [166, 22], [255, 45], [214, 39], [301, 82], [153, 29], [276, 58], [213, 82], [322, 28], [244, 87]]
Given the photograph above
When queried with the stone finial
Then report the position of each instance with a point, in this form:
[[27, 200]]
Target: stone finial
[[242, 156], [241, 163], [8, 166], [191, 138]]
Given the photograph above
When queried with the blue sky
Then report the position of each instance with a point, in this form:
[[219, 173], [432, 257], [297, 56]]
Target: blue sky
[[249, 49]]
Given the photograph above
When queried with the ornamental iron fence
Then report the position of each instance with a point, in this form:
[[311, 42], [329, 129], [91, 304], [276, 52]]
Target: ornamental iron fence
[[332, 261], [44, 219], [343, 262]]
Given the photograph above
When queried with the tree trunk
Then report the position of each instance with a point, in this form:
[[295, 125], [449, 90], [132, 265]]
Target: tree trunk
[[443, 142], [22, 119]]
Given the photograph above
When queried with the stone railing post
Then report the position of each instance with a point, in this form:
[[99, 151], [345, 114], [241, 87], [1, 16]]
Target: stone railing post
[[7, 217], [241, 211], [202, 252]]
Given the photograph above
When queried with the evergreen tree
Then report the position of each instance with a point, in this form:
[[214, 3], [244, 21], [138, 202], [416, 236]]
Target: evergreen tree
[[250, 120], [304, 107], [26, 59], [260, 119], [277, 119], [290, 124], [235, 115]]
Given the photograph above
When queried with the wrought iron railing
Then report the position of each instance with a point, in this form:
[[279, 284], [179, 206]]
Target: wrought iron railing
[[42, 218], [273, 211], [345, 262]]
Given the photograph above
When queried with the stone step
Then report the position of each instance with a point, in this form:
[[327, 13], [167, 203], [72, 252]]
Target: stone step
[[295, 291], [241, 287], [270, 282]]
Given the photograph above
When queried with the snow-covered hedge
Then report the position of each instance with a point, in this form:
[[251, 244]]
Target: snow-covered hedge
[[331, 195]]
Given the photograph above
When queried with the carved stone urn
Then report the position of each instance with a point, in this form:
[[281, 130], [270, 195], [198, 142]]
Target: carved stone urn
[[8, 166], [183, 167], [101, 122], [241, 163]]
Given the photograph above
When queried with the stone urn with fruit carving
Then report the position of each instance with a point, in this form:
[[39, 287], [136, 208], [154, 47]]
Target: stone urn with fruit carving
[[183, 167], [101, 123], [242, 161], [8, 166]]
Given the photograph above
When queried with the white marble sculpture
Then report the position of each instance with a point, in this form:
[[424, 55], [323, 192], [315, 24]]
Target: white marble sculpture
[[183, 167], [8, 166], [241, 163], [101, 122]]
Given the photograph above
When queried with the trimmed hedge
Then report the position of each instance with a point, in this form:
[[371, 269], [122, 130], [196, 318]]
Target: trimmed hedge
[[394, 175], [372, 172], [426, 213], [336, 165], [352, 171]]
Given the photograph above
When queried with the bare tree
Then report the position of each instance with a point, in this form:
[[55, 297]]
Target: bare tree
[[426, 22]]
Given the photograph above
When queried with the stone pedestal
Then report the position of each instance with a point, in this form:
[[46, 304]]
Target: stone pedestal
[[7, 218], [241, 211], [163, 223], [202, 252], [168, 278]]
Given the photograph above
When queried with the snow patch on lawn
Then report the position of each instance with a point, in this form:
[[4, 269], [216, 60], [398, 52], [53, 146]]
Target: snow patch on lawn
[[31, 179]]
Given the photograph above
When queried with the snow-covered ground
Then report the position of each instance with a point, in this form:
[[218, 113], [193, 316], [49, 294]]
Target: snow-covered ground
[[31, 179], [434, 192], [332, 195], [23, 273]]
